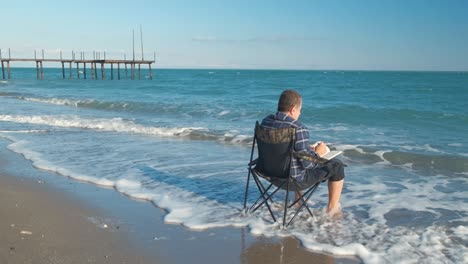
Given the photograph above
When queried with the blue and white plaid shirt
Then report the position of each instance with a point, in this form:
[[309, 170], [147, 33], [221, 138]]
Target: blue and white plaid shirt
[[282, 120]]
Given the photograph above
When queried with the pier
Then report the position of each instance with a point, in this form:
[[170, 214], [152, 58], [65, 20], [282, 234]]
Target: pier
[[93, 64]]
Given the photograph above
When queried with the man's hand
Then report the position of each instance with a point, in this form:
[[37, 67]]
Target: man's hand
[[320, 149]]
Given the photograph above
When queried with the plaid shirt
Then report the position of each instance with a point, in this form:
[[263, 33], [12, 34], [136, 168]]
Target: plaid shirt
[[282, 120]]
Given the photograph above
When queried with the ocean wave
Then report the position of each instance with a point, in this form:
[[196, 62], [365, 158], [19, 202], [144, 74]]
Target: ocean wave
[[355, 113], [8, 94], [433, 163], [25, 131], [87, 103], [58, 101], [351, 113], [128, 126], [132, 106]]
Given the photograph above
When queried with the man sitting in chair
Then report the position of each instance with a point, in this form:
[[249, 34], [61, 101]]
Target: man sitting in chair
[[306, 172]]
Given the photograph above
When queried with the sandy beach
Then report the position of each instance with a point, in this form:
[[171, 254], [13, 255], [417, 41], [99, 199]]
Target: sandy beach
[[41, 225], [46, 218]]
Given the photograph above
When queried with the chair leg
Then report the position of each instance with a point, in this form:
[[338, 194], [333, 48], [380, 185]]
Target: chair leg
[[265, 200], [246, 190], [301, 197], [309, 194], [263, 188], [263, 191], [250, 169], [286, 202]]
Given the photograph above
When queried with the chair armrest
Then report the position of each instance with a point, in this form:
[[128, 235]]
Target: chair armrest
[[307, 156], [317, 160]]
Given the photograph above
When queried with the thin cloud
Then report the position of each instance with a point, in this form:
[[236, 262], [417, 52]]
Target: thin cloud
[[206, 39], [263, 39]]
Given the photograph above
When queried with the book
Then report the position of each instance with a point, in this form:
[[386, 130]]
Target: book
[[329, 154]]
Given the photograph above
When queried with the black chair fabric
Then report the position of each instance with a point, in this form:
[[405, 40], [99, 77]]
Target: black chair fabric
[[275, 148]]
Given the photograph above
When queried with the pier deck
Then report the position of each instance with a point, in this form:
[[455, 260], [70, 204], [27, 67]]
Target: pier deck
[[92, 62]]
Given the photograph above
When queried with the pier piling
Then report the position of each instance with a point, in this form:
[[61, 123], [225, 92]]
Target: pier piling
[[8, 69], [42, 71], [150, 72], [63, 70], [3, 71], [139, 71], [37, 70]]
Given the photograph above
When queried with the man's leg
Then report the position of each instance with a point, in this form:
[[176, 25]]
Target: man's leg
[[335, 186], [297, 197], [334, 173], [334, 194]]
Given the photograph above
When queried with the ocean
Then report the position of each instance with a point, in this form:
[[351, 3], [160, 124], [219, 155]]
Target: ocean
[[183, 139]]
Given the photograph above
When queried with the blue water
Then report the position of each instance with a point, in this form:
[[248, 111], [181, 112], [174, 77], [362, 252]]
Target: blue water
[[182, 141]]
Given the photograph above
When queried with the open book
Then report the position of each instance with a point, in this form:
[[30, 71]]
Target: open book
[[329, 154]]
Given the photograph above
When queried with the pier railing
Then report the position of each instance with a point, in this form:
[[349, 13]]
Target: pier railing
[[94, 64]]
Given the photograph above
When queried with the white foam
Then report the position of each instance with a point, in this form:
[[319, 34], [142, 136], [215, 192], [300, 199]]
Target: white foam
[[339, 128], [114, 124], [236, 138], [380, 154], [40, 163], [344, 147], [425, 147], [331, 127], [353, 249], [24, 131], [461, 231], [225, 112], [358, 148], [199, 213], [58, 101]]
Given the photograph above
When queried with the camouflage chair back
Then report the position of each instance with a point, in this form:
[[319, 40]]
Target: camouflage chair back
[[275, 154]]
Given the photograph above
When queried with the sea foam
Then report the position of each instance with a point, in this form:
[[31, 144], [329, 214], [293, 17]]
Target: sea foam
[[125, 126]]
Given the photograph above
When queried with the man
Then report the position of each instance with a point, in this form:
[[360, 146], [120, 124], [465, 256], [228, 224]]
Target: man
[[305, 172]]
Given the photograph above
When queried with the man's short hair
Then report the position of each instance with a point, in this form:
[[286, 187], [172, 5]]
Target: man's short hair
[[288, 100]]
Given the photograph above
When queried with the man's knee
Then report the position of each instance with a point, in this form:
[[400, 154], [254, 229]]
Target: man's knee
[[336, 170]]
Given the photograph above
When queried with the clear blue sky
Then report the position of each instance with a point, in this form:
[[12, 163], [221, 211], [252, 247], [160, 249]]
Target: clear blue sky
[[361, 34]]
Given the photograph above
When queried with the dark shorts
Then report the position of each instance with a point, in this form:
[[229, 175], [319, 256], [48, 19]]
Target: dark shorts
[[332, 171]]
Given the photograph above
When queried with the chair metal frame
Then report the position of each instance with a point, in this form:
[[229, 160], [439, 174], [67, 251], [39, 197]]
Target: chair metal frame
[[266, 196]]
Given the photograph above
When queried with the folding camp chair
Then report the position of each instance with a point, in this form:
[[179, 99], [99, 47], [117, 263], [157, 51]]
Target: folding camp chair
[[275, 153]]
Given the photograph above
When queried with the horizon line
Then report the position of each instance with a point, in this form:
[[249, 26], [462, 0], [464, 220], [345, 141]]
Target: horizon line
[[271, 69]]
